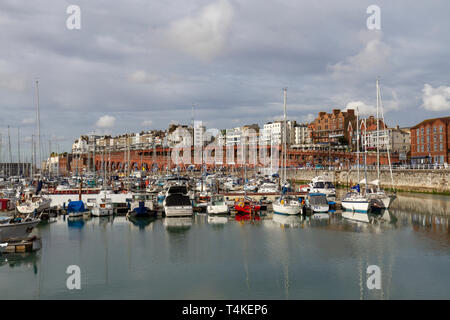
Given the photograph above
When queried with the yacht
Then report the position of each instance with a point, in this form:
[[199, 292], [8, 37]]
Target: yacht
[[268, 187], [177, 202], [16, 227], [316, 203], [217, 205], [36, 204], [321, 184]]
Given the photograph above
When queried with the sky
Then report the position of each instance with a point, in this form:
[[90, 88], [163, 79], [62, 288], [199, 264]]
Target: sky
[[137, 65]]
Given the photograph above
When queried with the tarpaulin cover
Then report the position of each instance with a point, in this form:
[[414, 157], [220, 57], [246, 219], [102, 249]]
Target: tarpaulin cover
[[75, 206]]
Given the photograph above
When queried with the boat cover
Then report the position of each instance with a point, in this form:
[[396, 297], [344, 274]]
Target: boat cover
[[75, 206]]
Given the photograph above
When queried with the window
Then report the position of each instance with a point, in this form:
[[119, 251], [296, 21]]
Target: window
[[441, 129], [441, 147]]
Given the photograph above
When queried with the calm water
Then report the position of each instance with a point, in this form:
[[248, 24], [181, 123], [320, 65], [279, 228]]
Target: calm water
[[275, 258]]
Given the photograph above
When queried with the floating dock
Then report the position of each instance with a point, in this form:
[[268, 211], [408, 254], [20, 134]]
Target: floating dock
[[29, 244]]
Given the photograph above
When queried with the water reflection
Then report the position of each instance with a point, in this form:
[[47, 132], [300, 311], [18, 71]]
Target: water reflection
[[28, 260], [75, 222], [142, 223]]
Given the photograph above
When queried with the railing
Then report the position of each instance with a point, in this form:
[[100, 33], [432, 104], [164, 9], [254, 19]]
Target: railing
[[382, 167]]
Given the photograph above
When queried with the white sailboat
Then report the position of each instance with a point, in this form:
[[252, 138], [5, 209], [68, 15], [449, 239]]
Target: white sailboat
[[380, 198], [286, 205], [355, 201]]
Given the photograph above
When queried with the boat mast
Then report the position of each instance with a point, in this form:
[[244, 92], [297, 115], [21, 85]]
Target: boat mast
[[388, 151], [365, 154], [357, 142], [378, 135], [285, 135], [38, 118], [10, 154], [18, 152]]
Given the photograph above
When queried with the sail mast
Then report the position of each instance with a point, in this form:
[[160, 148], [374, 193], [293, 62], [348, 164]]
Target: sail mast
[[285, 135], [38, 120], [378, 132], [357, 142]]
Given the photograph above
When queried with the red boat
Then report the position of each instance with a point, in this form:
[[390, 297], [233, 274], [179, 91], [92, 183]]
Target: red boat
[[246, 206]]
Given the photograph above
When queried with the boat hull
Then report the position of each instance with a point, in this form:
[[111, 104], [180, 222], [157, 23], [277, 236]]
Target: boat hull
[[17, 230], [356, 206], [286, 210], [178, 211]]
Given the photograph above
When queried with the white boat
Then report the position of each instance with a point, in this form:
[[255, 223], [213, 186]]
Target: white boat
[[76, 209], [177, 202], [316, 203], [102, 209], [16, 228], [356, 202], [286, 205], [321, 184], [217, 205], [268, 187], [35, 204]]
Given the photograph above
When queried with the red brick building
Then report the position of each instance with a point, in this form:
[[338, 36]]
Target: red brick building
[[333, 127], [430, 141]]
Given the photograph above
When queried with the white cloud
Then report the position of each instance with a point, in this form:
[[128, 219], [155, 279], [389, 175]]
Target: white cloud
[[310, 117], [371, 59], [204, 35], [28, 121], [363, 109], [141, 76], [436, 99], [106, 122], [147, 123]]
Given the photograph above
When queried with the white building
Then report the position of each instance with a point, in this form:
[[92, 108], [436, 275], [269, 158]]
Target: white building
[[302, 134], [273, 132]]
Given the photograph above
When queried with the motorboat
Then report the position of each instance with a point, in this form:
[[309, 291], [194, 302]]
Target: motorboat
[[316, 202], [217, 205], [268, 187], [142, 205], [321, 184], [76, 209], [246, 205], [16, 227], [102, 209], [177, 202]]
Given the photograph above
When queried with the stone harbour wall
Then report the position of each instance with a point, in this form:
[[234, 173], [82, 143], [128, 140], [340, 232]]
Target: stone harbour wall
[[404, 180]]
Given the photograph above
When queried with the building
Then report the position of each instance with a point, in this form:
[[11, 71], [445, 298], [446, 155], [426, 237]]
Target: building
[[273, 133], [302, 134], [430, 141], [333, 128]]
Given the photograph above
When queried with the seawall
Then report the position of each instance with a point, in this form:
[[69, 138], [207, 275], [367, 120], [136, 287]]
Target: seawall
[[429, 181]]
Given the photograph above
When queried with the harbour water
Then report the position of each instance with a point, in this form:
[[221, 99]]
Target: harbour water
[[273, 258]]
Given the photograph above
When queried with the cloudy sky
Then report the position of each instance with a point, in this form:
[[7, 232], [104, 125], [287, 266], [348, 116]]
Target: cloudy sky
[[138, 64]]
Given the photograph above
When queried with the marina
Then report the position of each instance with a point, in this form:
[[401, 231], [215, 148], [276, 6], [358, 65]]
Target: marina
[[221, 257]]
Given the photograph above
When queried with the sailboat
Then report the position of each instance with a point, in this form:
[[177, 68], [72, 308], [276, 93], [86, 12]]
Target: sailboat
[[380, 200], [286, 205], [355, 201]]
